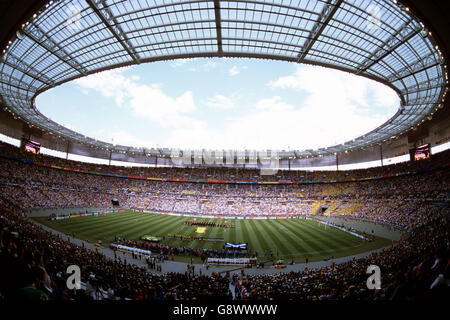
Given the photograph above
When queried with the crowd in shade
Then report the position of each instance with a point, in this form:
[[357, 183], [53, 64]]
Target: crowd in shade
[[224, 173], [35, 263], [36, 260], [417, 268]]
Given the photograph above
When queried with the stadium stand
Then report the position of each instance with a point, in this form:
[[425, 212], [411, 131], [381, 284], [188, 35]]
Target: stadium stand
[[418, 266]]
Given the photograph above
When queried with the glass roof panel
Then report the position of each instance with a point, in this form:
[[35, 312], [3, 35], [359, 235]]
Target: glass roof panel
[[374, 38]]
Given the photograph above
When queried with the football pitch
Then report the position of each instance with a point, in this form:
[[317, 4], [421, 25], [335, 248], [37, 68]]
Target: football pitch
[[285, 238]]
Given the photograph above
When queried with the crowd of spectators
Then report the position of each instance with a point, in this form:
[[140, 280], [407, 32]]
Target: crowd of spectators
[[36, 260], [35, 187], [416, 268]]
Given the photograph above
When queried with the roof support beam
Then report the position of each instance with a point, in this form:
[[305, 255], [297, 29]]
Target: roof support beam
[[20, 65], [324, 18], [384, 131], [16, 95], [218, 26], [413, 113], [421, 101], [424, 86], [416, 67], [113, 26], [405, 32], [10, 80], [42, 39]]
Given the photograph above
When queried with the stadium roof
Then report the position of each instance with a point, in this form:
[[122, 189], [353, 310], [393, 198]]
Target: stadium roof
[[377, 39]]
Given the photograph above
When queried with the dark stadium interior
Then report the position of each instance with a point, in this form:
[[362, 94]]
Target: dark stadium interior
[[410, 198]]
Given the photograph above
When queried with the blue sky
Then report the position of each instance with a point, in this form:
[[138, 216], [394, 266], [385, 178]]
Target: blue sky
[[221, 104]]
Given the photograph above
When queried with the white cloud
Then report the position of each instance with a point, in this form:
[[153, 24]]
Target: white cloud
[[148, 101], [178, 63], [274, 104], [111, 84], [337, 107], [155, 105], [208, 66], [125, 138], [200, 136], [344, 90], [235, 70], [220, 102], [181, 62]]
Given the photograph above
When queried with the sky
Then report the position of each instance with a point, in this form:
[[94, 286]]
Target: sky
[[221, 103]]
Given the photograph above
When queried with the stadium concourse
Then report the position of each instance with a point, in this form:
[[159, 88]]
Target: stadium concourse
[[411, 197]]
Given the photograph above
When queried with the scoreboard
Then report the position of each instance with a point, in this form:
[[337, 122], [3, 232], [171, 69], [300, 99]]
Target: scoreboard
[[32, 146], [421, 152]]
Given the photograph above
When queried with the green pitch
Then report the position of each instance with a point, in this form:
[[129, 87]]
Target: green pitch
[[286, 239]]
